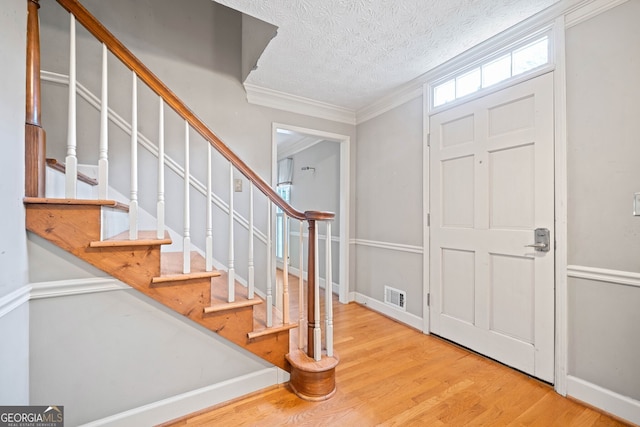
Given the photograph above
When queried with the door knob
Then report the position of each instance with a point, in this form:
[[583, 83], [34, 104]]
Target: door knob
[[542, 240]]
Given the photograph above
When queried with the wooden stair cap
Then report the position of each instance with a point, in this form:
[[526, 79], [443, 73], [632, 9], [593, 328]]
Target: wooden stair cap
[[145, 238], [80, 202], [231, 305], [272, 330]]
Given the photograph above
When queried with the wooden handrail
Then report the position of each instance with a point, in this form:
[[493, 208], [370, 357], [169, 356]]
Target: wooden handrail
[[144, 74]]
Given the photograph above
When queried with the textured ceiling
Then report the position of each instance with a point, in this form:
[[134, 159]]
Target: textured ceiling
[[350, 53]]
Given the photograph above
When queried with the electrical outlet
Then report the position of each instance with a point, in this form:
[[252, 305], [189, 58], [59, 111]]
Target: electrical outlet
[[636, 204], [237, 185]]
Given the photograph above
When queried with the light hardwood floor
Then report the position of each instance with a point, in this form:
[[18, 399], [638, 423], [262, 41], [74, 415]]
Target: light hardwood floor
[[392, 375]]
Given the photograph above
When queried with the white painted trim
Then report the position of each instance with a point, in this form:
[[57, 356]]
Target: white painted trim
[[399, 315], [390, 246], [426, 211], [589, 10], [303, 144], [400, 96], [345, 193], [146, 143], [14, 299], [602, 398], [61, 288], [560, 205], [297, 104], [334, 239], [618, 277], [191, 401]]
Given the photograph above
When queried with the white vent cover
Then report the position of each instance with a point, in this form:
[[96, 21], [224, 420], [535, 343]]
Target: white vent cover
[[395, 297]]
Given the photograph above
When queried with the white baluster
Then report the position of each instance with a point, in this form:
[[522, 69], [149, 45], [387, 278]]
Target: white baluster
[[317, 335], [232, 271], [302, 323], [103, 157], [133, 203], [285, 269], [71, 160], [186, 241], [209, 213], [251, 287], [160, 227], [270, 269], [328, 304]]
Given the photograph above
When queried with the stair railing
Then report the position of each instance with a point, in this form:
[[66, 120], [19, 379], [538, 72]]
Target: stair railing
[[311, 343]]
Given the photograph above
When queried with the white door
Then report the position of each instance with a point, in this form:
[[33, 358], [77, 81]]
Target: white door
[[491, 186]]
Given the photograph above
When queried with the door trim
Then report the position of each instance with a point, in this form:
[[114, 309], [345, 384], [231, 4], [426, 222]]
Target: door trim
[[560, 188]]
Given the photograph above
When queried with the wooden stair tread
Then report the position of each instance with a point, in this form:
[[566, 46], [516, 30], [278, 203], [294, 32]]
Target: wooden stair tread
[[145, 238], [271, 330], [61, 167], [87, 202]]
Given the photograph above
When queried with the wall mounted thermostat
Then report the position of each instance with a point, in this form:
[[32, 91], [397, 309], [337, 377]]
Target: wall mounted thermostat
[[636, 204]]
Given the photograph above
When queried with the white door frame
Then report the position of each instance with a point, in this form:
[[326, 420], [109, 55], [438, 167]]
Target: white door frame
[[560, 181], [345, 190]]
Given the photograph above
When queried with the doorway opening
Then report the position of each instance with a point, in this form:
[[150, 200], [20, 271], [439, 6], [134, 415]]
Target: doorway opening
[[317, 179]]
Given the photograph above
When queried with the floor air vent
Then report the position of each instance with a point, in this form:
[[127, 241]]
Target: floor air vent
[[395, 297]]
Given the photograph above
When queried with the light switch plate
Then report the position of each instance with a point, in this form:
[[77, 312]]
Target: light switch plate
[[636, 204], [237, 185]]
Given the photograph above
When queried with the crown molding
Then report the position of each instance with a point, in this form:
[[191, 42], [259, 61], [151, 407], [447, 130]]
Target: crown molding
[[400, 95], [576, 11], [589, 10], [297, 104]]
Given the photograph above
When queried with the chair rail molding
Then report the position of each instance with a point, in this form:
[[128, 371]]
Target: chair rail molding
[[400, 247], [618, 277], [14, 299]]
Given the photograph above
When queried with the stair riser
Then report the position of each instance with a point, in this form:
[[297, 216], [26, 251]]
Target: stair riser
[[234, 324]]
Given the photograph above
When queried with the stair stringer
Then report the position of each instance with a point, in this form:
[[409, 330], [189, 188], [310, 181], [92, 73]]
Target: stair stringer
[[73, 227]]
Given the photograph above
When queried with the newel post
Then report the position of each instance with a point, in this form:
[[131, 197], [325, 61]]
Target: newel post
[[312, 322], [35, 138]]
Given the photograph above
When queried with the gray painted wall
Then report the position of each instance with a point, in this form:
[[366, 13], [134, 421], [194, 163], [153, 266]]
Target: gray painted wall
[[389, 203], [256, 35], [603, 67], [103, 353], [14, 326]]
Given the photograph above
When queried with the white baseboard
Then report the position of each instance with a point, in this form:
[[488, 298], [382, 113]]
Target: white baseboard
[[602, 398], [401, 316], [187, 403]]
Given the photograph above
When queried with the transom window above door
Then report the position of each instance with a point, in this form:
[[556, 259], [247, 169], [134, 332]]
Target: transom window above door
[[524, 59]]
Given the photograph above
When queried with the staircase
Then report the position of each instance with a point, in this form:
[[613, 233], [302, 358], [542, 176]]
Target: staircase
[[185, 281], [74, 225]]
